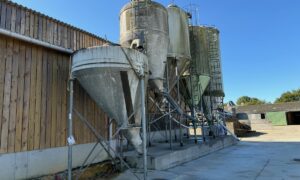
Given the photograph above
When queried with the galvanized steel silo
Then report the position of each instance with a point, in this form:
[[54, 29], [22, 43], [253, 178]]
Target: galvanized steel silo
[[110, 75], [179, 48], [199, 66], [216, 83], [147, 21]]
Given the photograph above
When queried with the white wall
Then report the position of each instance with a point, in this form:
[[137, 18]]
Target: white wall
[[31, 164]]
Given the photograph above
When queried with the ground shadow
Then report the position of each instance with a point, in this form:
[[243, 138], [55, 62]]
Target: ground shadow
[[252, 134]]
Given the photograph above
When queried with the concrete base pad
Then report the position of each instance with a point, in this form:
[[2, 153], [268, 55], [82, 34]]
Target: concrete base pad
[[161, 157]]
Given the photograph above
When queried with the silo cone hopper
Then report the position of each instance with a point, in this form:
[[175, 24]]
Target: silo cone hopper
[[195, 88], [199, 67], [110, 75]]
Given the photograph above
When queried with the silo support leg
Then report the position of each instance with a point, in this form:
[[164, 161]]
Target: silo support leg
[[142, 84], [102, 141], [70, 139]]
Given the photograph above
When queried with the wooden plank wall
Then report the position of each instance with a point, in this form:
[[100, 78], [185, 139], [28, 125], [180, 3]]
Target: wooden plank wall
[[21, 20], [33, 83]]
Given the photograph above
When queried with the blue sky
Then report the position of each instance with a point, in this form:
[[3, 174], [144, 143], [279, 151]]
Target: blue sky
[[260, 39]]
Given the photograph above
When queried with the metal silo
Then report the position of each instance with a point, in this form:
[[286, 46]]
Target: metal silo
[[199, 77], [110, 75], [147, 21], [216, 84], [179, 48]]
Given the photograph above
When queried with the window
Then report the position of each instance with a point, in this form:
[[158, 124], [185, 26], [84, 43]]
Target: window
[[262, 116]]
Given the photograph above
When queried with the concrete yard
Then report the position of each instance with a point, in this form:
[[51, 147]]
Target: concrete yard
[[268, 154]]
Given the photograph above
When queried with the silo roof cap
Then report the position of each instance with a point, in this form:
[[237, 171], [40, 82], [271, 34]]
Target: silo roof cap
[[172, 5]]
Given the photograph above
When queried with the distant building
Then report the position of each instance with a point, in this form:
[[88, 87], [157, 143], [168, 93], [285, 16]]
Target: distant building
[[268, 115]]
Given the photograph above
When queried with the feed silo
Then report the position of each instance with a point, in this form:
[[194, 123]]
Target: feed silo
[[179, 48], [216, 84], [147, 22], [110, 75], [199, 74], [214, 94]]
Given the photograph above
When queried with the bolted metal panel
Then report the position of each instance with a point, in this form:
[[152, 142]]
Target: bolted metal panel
[[199, 50], [206, 59], [179, 48], [109, 75], [147, 21]]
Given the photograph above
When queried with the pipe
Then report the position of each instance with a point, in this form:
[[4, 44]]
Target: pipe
[[70, 129], [142, 84], [35, 41]]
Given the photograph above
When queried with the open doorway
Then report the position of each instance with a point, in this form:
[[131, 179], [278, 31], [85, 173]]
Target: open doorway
[[293, 118]]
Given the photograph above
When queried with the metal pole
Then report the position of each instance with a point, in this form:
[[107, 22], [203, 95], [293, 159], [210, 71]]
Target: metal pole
[[169, 108], [110, 132], [148, 134], [166, 129], [193, 111], [121, 148], [202, 119], [148, 115], [178, 99], [224, 116], [142, 84], [70, 129]]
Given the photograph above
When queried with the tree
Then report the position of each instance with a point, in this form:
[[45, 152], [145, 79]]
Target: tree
[[246, 100], [289, 96]]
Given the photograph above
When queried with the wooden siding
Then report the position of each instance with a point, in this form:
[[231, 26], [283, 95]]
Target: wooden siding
[[33, 99], [33, 83], [24, 21]]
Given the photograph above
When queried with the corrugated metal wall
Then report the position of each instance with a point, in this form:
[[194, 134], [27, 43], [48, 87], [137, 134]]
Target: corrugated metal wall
[[33, 83]]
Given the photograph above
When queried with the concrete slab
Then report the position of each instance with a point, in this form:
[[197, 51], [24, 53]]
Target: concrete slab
[[161, 157], [257, 159]]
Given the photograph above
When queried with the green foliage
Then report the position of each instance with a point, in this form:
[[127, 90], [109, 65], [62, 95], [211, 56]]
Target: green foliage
[[246, 100], [289, 96]]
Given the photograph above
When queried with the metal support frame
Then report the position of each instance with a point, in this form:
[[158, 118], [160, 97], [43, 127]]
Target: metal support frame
[[193, 111], [100, 140], [172, 107]]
